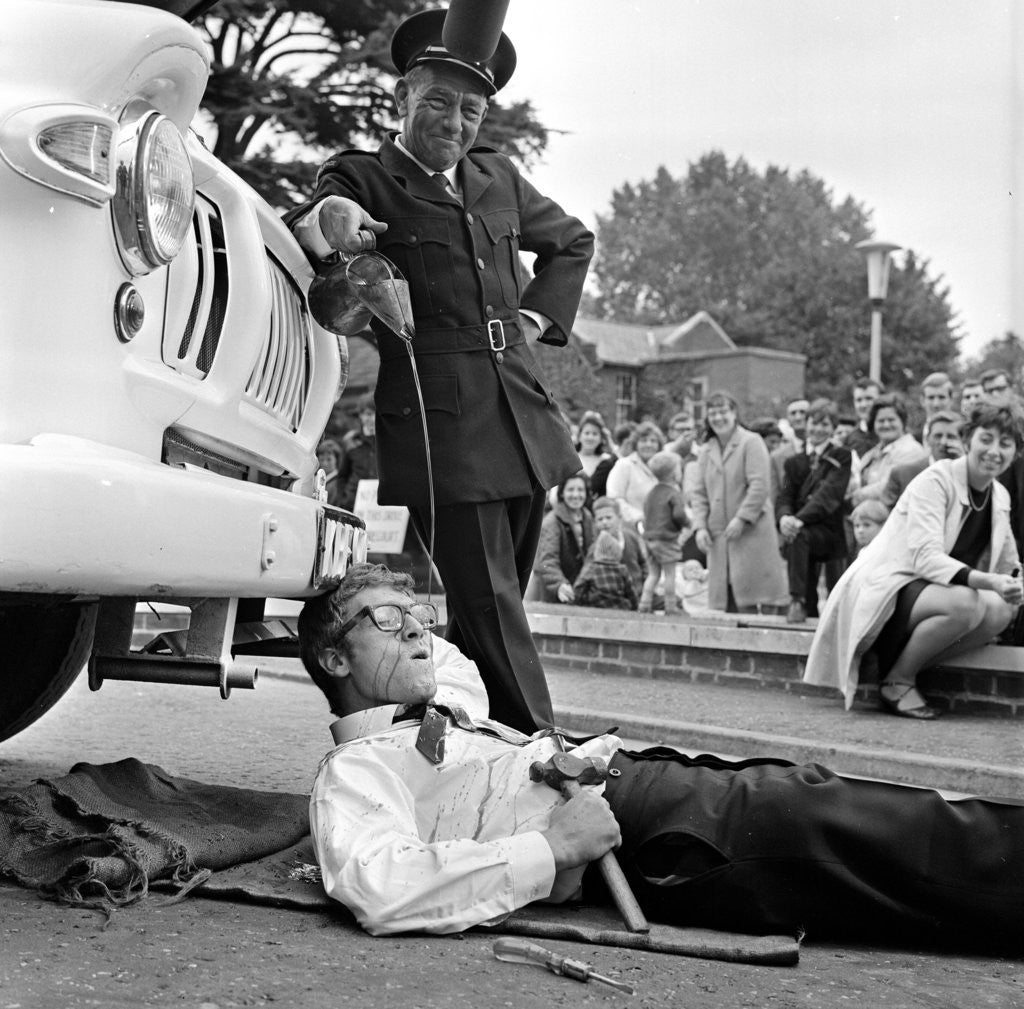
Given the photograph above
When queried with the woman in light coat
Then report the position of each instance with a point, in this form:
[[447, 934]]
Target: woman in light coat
[[733, 517], [896, 446], [631, 479], [940, 578]]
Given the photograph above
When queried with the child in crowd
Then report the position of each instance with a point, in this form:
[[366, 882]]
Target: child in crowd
[[665, 525], [868, 518], [608, 518], [692, 586], [604, 580]]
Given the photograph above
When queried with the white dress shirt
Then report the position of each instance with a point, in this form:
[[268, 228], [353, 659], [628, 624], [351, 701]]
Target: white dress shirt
[[408, 845]]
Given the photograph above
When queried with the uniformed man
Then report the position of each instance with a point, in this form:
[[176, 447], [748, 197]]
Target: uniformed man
[[454, 218]]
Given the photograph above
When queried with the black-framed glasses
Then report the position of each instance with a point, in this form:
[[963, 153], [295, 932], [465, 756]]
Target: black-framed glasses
[[390, 617]]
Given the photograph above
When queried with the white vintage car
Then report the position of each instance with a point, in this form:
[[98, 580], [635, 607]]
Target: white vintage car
[[162, 384]]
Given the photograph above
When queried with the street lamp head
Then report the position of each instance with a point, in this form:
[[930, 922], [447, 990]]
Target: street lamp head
[[877, 255]]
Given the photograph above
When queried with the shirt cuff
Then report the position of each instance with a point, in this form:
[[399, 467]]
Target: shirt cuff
[[960, 578], [532, 864], [310, 235], [542, 320]]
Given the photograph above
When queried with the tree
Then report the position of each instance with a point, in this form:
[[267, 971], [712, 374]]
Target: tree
[[772, 258], [1006, 353], [294, 80]]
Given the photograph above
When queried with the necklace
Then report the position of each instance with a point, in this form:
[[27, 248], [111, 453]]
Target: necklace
[[984, 497]]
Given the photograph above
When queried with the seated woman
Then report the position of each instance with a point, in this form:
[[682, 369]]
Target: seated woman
[[896, 446], [566, 535], [940, 578]]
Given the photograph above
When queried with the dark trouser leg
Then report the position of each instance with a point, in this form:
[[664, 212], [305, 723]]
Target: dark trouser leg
[[765, 846], [812, 544], [484, 553]]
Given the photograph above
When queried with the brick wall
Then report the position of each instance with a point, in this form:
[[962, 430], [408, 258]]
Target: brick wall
[[989, 681]]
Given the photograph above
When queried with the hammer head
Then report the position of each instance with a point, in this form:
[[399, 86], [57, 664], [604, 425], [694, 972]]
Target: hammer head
[[562, 767]]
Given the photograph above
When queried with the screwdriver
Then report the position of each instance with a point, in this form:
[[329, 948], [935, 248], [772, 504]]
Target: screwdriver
[[521, 951]]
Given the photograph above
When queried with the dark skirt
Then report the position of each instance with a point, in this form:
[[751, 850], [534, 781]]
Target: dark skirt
[[895, 634], [766, 846]]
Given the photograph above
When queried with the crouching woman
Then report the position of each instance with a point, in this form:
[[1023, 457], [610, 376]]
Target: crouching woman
[[940, 578]]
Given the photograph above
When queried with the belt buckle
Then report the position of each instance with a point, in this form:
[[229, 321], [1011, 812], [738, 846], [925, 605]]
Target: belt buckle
[[496, 335]]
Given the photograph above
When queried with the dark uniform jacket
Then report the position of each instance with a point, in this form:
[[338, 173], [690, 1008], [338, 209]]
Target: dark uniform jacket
[[495, 430], [815, 494]]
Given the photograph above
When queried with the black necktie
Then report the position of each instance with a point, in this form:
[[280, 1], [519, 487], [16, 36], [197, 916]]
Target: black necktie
[[435, 720], [442, 180]]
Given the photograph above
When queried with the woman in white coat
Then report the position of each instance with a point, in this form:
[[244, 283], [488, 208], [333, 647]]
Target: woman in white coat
[[940, 578]]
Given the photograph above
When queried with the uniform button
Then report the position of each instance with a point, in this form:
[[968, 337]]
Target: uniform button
[[412, 239], [499, 357], [406, 410], [469, 217], [489, 311], [480, 264]]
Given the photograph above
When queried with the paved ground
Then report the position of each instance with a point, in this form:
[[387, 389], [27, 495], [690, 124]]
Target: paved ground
[[203, 953], [977, 754]]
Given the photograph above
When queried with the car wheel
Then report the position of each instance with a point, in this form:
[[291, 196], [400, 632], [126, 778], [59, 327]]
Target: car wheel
[[43, 647]]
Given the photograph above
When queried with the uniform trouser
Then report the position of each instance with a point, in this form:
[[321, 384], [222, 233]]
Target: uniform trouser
[[772, 847], [484, 553]]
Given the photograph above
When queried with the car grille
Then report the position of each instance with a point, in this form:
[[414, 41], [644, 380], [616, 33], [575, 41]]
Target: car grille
[[279, 383], [197, 349]]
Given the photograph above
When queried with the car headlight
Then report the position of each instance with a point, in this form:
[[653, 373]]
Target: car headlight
[[155, 192]]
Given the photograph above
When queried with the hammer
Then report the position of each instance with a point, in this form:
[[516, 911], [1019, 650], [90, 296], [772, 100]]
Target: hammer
[[567, 772]]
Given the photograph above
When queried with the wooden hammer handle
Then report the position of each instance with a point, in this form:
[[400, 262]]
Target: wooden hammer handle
[[615, 879]]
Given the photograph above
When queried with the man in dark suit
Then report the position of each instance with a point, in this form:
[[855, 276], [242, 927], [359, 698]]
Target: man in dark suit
[[453, 218], [942, 436], [810, 508]]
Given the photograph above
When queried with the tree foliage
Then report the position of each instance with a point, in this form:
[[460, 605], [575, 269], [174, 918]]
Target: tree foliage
[[293, 80], [772, 258], [1006, 353]]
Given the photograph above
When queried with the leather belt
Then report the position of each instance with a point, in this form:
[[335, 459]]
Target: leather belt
[[495, 336]]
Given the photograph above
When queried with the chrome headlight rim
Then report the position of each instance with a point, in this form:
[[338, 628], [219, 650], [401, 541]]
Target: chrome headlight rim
[[139, 246]]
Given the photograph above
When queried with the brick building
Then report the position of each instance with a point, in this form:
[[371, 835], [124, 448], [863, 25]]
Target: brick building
[[629, 372]]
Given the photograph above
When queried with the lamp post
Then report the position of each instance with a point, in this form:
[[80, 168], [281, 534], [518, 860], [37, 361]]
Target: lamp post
[[877, 255]]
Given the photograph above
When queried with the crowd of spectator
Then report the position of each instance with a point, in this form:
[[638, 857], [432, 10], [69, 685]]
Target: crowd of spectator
[[724, 515]]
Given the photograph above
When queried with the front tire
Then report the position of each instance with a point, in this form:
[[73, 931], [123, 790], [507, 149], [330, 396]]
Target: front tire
[[43, 648]]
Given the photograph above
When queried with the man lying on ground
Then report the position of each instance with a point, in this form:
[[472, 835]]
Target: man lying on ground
[[417, 832]]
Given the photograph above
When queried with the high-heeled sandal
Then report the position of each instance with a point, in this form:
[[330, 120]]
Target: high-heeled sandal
[[922, 711]]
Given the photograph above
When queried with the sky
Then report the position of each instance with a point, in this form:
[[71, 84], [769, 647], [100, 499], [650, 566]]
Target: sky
[[905, 105]]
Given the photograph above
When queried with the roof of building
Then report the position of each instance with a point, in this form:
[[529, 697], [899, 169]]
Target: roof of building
[[633, 344]]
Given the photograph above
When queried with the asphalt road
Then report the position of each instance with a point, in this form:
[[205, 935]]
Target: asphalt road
[[205, 953]]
